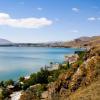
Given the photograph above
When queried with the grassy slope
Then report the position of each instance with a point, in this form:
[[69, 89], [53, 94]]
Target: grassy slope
[[92, 92], [89, 92]]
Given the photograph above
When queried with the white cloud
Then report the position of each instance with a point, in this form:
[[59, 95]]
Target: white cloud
[[75, 10], [5, 19], [4, 15], [75, 31], [92, 18], [40, 9]]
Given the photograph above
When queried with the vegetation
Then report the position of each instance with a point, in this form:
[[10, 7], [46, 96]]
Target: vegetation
[[43, 77], [65, 81], [80, 54]]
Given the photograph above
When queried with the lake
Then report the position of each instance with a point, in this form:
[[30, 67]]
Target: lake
[[22, 61]]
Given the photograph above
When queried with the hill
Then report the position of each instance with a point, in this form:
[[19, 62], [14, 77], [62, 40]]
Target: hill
[[79, 81], [83, 42], [4, 41], [86, 42]]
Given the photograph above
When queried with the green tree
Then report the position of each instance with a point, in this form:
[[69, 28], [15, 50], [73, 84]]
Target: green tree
[[2, 84], [9, 82], [42, 76], [21, 79]]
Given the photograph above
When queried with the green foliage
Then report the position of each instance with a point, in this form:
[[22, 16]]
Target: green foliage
[[64, 66], [40, 89], [42, 76], [21, 79], [17, 86], [8, 82], [2, 84], [68, 65], [25, 86], [5, 93], [51, 63], [79, 62], [53, 75], [81, 54], [35, 78], [34, 93]]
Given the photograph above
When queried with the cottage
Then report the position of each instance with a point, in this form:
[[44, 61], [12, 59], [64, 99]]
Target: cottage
[[71, 58]]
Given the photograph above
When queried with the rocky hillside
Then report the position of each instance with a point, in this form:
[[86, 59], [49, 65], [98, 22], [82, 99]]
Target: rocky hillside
[[86, 42], [80, 81], [83, 42]]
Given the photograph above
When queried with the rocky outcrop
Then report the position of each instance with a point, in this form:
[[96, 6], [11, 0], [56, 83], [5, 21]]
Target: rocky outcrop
[[76, 77], [79, 75], [86, 42]]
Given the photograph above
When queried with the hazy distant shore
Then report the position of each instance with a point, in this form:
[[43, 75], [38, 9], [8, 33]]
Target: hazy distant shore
[[33, 45], [82, 42]]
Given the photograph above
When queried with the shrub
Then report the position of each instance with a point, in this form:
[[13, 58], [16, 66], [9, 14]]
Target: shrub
[[21, 79], [2, 84], [8, 82], [64, 66], [42, 76], [5, 93], [81, 54]]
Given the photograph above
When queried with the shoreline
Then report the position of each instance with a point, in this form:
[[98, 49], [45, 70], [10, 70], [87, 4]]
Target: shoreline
[[12, 86], [54, 64]]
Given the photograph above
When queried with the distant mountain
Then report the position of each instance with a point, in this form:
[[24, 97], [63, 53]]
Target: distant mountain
[[84, 38], [83, 42], [78, 42], [4, 41]]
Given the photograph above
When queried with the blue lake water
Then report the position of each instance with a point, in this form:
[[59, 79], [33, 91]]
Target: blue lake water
[[22, 61]]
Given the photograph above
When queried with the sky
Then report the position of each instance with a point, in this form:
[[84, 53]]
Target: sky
[[33, 21]]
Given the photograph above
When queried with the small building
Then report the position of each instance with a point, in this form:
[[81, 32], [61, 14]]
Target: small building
[[71, 58], [53, 67], [27, 77]]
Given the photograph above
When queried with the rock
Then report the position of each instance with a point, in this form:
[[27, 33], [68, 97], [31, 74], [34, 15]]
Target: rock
[[45, 95]]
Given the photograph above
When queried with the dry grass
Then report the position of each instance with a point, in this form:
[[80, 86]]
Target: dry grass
[[91, 92], [92, 41]]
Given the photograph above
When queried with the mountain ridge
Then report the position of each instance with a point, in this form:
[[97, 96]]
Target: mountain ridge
[[81, 42], [4, 41]]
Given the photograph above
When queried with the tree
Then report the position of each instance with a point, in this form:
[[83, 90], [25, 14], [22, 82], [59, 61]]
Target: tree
[[9, 82], [68, 65], [42, 76], [21, 79], [2, 84], [51, 63]]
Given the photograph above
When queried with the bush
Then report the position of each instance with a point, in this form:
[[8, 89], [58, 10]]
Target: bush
[[64, 66], [8, 82], [81, 54], [21, 79], [42, 76], [5, 93], [25, 86], [33, 93], [53, 75], [2, 84]]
